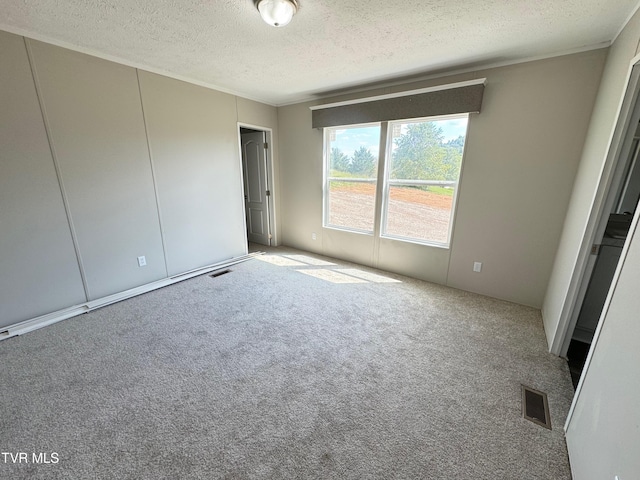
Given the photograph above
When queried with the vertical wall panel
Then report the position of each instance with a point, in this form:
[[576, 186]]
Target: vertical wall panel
[[194, 145], [97, 129], [38, 269]]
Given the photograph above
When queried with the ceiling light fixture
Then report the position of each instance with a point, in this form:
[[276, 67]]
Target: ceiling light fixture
[[277, 13]]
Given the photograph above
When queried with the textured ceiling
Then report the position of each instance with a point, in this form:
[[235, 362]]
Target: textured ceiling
[[328, 46]]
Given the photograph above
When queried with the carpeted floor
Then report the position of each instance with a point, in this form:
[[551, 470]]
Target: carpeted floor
[[285, 368]]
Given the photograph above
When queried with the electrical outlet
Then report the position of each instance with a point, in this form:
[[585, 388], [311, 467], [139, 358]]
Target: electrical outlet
[[313, 236], [477, 266], [142, 261]]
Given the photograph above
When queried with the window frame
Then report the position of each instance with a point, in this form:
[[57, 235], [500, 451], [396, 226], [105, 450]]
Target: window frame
[[388, 182], [383, 183], [327, 179]]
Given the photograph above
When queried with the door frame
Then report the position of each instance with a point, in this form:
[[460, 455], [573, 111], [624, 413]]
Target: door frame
[[271, 199], [611, 175]]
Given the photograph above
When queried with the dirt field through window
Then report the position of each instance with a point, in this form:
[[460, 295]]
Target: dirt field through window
[[412, 213]]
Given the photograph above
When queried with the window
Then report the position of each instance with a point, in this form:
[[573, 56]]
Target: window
[[424, 158], [421, 160], [351, 170]]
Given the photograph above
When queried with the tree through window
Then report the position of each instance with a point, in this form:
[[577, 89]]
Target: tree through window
[[424, 162]]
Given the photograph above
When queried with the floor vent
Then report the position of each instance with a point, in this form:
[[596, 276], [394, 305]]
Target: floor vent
[[219, 273], [535, 407]]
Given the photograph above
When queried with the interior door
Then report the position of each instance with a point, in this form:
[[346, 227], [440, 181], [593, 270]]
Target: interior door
[[256, 189]]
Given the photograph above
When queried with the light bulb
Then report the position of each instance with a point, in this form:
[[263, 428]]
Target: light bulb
[[277, 13]]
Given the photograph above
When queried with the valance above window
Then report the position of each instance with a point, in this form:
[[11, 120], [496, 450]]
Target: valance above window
[[464, 97]]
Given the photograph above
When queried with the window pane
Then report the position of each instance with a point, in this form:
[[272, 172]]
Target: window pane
[[352, 155], [352, 205], [420, 213], [427, 150], [353, 151], [424, 164]]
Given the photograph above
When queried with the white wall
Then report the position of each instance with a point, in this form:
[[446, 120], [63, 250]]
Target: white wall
[[522, 153], [102, 163]]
